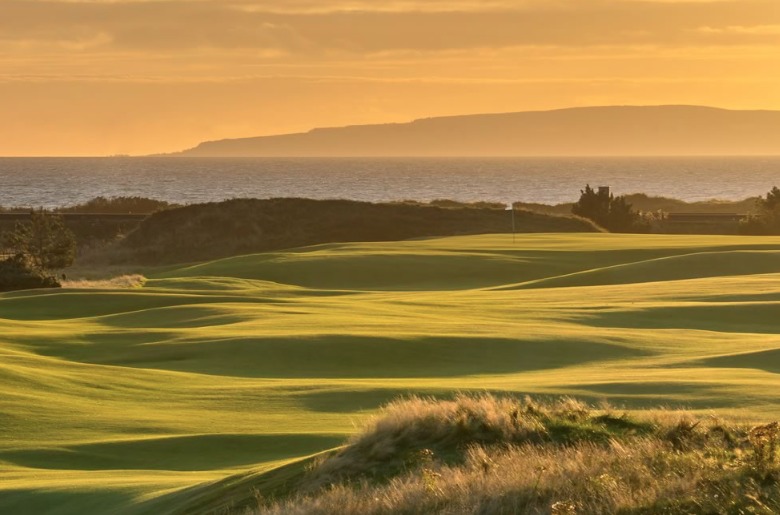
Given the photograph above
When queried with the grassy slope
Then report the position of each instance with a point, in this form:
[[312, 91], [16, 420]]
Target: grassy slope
[[114, 401], [202, 232]]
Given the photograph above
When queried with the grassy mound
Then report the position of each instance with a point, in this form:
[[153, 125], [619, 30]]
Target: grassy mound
[[242, 226], [490, 454]]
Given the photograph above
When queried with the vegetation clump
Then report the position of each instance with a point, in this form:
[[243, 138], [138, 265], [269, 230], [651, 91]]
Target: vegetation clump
[[488, 454], [766, 219], [653, 204], [45, 241], [245, 226], [120, 205], [38, 248], [108, 218], [613, 213], [117, 205], [17, 274]]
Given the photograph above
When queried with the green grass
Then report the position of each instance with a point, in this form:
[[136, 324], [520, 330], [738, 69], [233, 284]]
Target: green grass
[[215, 377]]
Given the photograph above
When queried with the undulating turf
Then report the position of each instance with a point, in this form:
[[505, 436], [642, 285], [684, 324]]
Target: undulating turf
[[220, 377]]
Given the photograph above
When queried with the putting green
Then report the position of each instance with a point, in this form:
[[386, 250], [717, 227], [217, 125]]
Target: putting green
[[170, 397]]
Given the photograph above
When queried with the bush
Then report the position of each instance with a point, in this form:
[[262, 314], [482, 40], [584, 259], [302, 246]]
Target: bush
[[17, 274], [610, 212], [45, 241], [767, 217]]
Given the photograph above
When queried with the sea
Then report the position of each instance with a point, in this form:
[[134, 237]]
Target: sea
[[55, 182]]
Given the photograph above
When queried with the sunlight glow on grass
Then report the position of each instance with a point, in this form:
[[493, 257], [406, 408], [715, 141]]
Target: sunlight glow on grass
[[115, 399]]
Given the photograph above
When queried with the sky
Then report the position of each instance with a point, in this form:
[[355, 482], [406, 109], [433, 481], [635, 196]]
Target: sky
[[103, 77]]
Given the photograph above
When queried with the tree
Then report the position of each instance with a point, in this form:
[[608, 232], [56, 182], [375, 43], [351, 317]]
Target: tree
[[612, 213], [592, 205], [622, 217], [16, 274], [766, 220], [772, 200], [45, 241]]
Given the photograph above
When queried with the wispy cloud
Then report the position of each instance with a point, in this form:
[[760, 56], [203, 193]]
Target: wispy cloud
[[306, 27], [265, 66], [741, 30]]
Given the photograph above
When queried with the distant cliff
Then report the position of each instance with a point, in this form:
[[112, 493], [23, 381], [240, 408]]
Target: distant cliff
[[588, 131]]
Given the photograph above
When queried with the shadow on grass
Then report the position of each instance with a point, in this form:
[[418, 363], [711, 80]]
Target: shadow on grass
[[767, 360], [753, 317], [353, 401], [64, 501], [645, 395], [185, 453], [349, 356]]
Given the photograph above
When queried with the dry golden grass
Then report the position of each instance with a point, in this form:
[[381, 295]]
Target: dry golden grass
[[121, 281], [499, 455]]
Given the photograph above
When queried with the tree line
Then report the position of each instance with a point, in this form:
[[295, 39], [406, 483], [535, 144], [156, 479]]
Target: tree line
[[616, 214]]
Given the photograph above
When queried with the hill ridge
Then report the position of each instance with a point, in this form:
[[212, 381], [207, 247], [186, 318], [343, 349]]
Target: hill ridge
[[673, 129]]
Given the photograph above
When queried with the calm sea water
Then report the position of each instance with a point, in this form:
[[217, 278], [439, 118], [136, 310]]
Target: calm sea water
[[51, 182]]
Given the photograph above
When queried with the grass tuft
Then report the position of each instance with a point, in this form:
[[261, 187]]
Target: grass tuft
[[119, 282], [498, 454]]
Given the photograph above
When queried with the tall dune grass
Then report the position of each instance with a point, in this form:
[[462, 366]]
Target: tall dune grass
[[489, 454]]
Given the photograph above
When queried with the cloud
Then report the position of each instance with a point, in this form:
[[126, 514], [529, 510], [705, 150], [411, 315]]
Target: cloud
[[102, 71], [756, 30], [308, 28]]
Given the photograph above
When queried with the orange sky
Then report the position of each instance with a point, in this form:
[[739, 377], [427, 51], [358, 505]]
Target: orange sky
[[141, 76]]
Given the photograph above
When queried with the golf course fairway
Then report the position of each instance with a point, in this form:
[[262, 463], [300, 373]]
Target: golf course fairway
[[164, 398]]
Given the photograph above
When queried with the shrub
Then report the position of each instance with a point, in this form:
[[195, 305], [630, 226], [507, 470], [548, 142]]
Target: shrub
[[17, 274], [610, 212], [767, 217], [45, 241]]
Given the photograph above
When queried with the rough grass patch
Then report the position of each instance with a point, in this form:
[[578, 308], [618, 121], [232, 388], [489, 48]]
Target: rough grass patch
[[490, 454], [122, 281]]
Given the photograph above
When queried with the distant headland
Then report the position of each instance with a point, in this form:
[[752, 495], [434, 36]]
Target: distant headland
[[586, 131]]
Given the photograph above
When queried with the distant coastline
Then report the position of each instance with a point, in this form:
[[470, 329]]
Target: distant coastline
[[672, 130]]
